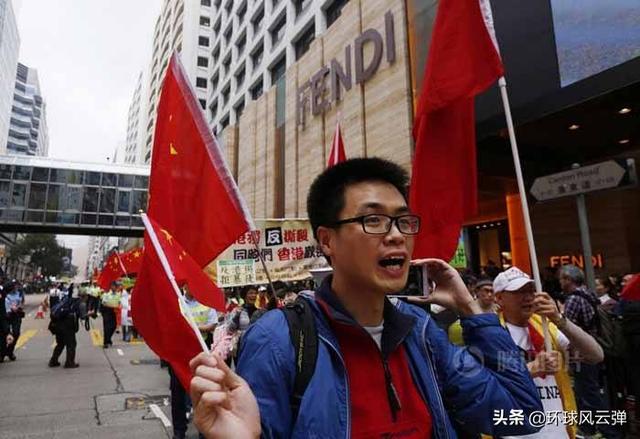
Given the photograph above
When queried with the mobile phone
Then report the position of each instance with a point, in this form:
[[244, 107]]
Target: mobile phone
[[418, 283]]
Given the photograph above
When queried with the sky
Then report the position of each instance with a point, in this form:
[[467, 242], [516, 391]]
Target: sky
[[88, 54]]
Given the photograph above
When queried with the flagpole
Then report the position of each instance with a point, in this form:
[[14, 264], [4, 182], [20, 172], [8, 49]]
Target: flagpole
[[264, 266], [169, 273], [124, 270], [502, 83]]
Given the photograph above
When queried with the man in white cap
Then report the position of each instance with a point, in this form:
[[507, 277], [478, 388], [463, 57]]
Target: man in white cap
[[521, 311]]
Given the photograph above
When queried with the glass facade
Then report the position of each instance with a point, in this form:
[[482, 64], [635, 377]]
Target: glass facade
[[54, 196]]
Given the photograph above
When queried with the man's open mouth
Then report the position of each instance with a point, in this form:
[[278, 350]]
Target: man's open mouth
[[393, 262]]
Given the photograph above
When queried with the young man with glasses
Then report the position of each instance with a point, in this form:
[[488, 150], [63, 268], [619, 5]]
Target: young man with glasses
[[383, 368]]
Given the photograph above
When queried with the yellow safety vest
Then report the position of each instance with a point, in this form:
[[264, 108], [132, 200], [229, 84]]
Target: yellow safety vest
[[111, 299], [199, 312], [94, 291]]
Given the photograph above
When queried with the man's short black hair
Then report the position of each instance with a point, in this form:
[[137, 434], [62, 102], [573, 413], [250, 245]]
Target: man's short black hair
[[326, 195], [245, 290]]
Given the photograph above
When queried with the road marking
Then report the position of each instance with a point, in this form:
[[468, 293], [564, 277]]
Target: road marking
[[156, 411], [120, 352], [96, 337], [25, 337]]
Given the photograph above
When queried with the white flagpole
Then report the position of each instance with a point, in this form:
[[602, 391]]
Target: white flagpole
[[169, 273], [485, 9], [525, 204], [124, 271]]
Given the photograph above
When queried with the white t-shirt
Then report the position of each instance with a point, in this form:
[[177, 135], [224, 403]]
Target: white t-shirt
[[125, 307], [376, 333], [547, 387]]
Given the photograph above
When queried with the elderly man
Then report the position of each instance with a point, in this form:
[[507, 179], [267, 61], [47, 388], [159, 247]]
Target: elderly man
[[581, 307], [383, 368], [521, 309]]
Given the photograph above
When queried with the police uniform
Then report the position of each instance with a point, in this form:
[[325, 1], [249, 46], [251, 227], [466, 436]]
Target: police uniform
[[109, 304]]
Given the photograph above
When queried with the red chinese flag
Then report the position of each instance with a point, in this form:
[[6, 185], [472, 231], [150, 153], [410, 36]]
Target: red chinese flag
[[111, 271], [463, 61], [132, 260], [192, 193], [155, 306], [337, 153], [631, 290]]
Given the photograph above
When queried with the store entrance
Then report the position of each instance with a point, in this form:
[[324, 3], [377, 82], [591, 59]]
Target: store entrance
[[490, 247]]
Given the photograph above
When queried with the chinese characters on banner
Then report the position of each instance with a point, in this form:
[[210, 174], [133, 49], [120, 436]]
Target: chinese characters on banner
[[287, 247]]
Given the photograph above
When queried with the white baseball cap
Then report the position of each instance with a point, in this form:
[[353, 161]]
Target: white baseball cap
[[511, 280]]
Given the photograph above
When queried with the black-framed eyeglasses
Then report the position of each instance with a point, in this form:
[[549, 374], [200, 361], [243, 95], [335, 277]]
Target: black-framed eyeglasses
[[380, 224]]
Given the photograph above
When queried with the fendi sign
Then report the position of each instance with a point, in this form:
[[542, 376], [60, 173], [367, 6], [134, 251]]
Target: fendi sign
[[318, 95]]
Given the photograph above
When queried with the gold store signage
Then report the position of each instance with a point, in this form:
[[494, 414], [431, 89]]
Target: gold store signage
[[319, 95]]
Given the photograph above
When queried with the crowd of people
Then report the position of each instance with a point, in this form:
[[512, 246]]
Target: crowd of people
[[584, 322], [479, 356]]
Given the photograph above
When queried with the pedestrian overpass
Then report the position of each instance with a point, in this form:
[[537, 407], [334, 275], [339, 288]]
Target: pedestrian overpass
[[44, 195]]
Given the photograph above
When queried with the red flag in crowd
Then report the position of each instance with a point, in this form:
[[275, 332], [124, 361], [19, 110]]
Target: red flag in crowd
[[463, 61], [111, 271], [155, 306], [631, 290], [132, 260], [192, 194], [337, 153]]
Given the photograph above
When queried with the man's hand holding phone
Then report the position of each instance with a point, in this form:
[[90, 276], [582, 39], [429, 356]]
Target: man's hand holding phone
[[446, 288]]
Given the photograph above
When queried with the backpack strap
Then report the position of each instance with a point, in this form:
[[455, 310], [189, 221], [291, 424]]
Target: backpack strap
[[304, 338]]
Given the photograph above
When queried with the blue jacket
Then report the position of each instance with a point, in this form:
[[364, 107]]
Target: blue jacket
[[452, 380]]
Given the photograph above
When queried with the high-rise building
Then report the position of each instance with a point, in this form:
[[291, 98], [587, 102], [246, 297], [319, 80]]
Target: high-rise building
[[28, 133], [184, 26], [135, 126], [253, 44], [99, 248], [9, 45]]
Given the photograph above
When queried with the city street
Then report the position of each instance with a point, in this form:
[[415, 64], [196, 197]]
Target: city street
[[107, 397], [344, 200]]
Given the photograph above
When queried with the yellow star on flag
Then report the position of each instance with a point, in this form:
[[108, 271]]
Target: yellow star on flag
[[136, 254], [172, 150], [167, 236]]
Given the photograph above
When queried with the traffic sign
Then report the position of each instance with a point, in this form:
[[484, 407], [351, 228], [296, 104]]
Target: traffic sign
[[606, 175]]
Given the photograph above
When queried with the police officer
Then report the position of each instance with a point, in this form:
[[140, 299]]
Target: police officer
[[109, 304], [5, 336], [14, 303], [93, 302], [65, 328]]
